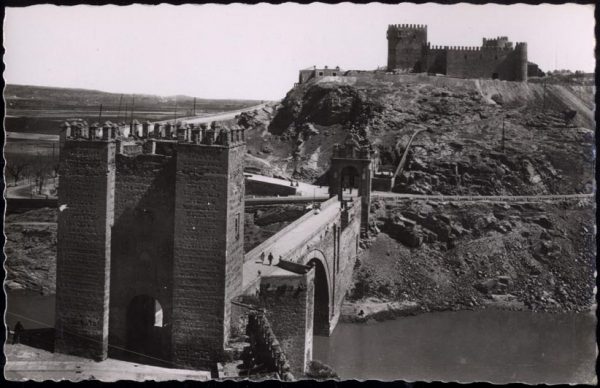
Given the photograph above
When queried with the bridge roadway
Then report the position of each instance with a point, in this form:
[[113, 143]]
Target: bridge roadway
[[286, 241]]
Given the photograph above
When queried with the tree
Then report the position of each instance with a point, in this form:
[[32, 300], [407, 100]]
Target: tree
[[17, 167], [41, 170]]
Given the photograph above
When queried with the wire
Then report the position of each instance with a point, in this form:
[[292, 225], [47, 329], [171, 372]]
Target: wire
[[91, 339]]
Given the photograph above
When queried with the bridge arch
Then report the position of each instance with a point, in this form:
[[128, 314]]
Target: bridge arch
[[323, 305]]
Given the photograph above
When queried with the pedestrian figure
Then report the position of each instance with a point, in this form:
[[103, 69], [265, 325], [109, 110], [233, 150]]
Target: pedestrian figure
[[17, 333], [279, 259], [270, 258], [262, 257]]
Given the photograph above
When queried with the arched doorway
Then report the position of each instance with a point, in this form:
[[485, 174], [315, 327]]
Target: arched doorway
[[321, 305], [349, 180], [145, 328]]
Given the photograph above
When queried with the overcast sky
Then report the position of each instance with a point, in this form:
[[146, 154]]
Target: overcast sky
[[255, 51]]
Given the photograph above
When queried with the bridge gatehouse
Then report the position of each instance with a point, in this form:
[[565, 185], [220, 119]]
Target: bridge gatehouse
[[150, 249]]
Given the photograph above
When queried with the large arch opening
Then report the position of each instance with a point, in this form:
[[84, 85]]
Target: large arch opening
[[321, 305], [145, 330], [349, 180]]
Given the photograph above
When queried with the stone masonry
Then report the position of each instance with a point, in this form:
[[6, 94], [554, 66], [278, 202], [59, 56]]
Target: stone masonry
[[150, 240], [409, 50]]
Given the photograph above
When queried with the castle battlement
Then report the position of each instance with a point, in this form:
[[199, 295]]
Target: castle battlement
[[180, 132], [393, 27], [351, 150]]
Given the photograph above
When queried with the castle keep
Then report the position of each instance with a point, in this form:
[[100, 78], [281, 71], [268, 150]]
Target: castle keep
[[409, 50]]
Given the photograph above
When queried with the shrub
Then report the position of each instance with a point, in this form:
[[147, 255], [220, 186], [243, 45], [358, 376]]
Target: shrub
[[318, 370]]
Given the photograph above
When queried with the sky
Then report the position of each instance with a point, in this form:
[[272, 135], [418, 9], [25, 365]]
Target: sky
[[255, 51]]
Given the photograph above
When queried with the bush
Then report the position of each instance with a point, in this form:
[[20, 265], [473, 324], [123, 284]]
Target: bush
[[318, 370]]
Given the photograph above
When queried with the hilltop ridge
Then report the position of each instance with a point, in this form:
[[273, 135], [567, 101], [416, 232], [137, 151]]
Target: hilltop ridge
[[459, 150]]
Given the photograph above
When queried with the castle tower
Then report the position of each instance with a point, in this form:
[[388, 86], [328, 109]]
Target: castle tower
[[407, 45], [208, 245], [520, 64], [86, 201]]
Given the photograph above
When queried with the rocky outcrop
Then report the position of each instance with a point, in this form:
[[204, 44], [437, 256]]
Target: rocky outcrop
[[537, 256], [462, 150]]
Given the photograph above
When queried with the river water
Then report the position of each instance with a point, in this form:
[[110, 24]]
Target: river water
[[465, 346], [488, 345]]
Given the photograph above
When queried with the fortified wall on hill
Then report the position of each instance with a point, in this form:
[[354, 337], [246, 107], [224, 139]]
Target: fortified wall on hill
[[409, 50]]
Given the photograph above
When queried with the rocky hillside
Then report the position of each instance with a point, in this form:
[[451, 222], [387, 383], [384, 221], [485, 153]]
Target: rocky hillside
[[460, 149], [442, 255]]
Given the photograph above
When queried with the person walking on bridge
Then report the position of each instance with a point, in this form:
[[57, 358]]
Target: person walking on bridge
[[270, 258]]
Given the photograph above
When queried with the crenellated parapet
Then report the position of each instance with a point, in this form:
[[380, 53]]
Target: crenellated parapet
[[181, 132], [351, 150], [399, 27]]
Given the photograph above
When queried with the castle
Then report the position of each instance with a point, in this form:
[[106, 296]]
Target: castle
[[409, 50]]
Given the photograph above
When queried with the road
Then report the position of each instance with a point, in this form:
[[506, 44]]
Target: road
[[217, 117], [27, 363], [303, 189], [480, 198]]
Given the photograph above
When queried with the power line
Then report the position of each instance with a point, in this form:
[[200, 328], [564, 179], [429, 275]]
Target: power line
[[91, 339]]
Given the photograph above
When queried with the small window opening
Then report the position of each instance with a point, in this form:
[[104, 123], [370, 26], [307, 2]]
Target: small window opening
[[237, 226]]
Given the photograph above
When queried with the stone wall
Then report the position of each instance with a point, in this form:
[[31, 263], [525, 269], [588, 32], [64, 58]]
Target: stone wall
[[265, 345], [288, 300], [254, 187], [84, 233], [142, 244]]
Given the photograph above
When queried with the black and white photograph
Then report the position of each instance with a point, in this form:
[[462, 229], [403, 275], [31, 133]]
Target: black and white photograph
[[389, 192]]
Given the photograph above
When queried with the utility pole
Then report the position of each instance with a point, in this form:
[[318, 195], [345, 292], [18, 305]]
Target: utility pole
[[175, 113], [544, 98], [194, 106], [502, 134], [100, 114], [132, 105], [119, 111]]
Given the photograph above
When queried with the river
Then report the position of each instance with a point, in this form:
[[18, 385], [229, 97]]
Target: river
[[465, 346], [487, 345]]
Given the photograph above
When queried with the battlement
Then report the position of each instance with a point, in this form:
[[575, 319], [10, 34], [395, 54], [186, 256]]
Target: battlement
[[79, 130], [398, 27], [351, 150]]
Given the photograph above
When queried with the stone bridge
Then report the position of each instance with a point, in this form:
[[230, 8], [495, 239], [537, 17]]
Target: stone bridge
[[321, 245]]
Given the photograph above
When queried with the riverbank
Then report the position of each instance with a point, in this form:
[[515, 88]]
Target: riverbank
[[443, 255]]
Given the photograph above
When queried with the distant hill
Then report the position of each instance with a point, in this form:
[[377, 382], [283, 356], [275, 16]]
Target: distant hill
[[41, 109], [43, 97]]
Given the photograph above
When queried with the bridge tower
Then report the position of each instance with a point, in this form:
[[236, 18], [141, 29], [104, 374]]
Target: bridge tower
[[150, 242], [86, 200], [208, 245], [351, 172]]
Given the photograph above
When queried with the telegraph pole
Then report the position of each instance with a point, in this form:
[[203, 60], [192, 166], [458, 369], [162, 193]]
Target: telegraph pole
[[175, 113], [544, 98], [100, 114], [194, 106], [502, 134], [132, 105], [119, 111]]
